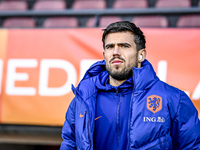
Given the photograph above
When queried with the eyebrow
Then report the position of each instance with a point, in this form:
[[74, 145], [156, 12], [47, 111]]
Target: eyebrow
[[124, 44], [107, 45], [111, 44]]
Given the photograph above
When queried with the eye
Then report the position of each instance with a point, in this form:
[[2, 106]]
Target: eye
[[109, 46], [125, 46]]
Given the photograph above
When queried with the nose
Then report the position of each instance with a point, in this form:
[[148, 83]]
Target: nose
[[116, 51]]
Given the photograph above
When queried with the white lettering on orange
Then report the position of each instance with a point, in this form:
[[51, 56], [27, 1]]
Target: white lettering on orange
[[162, 70], [13, 76], [196, 94], [45, 65]]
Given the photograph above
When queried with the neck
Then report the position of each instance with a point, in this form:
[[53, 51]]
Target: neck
[[115, 82]]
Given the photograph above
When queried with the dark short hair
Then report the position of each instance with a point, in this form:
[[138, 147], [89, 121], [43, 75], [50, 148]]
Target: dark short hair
[[123, 26]]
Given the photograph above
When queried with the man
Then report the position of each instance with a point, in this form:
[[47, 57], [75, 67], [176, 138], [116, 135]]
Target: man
[[121, 104]]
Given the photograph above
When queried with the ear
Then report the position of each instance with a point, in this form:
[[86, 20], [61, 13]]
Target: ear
[[103, 54], [141, 55]]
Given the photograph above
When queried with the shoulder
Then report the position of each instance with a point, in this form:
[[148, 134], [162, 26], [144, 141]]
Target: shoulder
[[167, 91], [171, 96], [87, 88]]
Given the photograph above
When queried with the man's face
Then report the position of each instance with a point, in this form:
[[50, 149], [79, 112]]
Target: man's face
[[120, 55]]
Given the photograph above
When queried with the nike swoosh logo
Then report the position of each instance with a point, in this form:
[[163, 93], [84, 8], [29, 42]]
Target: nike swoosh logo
[[81, 115], [97, 117]]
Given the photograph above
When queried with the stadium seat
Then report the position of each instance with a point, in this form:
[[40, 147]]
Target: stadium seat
[[89, 4], [19, 23], [118, 4], [151, 21], [13, 5], [189, 21], [91, 22], [173, 4], [60, 22], [103, 21], [106, 20], [50, 5]]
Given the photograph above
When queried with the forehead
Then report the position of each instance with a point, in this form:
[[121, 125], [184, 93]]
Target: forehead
[[116, 37]]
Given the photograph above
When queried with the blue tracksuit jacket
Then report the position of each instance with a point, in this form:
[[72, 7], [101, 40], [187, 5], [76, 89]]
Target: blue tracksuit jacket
[[161, 116]]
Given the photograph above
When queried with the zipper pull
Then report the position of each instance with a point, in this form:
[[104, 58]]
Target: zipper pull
[[117, 91]]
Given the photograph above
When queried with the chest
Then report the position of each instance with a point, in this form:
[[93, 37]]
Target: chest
[[113, 107]]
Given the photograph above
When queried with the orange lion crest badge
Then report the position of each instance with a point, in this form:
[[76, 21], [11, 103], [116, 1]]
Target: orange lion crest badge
[[154, 103]]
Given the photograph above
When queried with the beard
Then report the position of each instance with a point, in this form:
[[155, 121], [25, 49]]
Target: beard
[[121, 74]]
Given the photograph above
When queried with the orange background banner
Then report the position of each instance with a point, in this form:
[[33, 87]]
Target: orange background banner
[[38, 66]]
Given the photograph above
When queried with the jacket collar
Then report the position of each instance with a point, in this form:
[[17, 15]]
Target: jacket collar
[[143, 77]]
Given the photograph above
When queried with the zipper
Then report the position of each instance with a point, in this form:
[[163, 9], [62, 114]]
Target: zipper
[[118, 117], [129, 120], [130, 114], [88, 128]]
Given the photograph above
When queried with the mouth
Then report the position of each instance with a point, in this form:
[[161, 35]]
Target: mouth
[[117, 62]]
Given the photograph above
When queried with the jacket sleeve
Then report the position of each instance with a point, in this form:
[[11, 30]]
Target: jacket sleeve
[[68, 130], [186, 125]]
